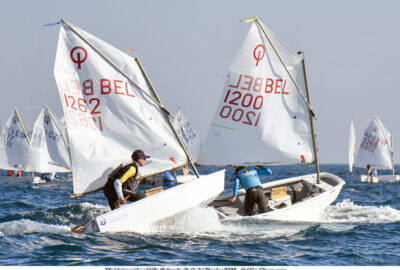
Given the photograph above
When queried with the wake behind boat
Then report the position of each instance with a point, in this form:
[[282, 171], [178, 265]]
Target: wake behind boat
[[111, 109]]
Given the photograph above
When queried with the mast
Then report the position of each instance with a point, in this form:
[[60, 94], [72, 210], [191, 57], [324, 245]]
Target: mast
[[166, 114], [392, 150], [352, 146], [23, 127], [314, 139]]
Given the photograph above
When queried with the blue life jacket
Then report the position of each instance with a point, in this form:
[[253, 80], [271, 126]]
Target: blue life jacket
[[168, 176]]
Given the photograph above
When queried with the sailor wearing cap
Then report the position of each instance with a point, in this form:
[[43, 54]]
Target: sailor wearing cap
[[122, 182]]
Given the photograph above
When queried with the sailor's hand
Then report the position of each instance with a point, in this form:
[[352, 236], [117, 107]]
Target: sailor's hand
[[232, 200], [122, 201]]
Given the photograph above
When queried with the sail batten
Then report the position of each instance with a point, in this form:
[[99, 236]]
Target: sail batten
[[109, 113], [261, 117]]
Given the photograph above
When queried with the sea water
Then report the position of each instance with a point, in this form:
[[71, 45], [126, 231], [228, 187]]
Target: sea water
[[362, 227]]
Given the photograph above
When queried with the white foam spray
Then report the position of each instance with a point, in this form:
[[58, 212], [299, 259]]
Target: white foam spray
[[24, 226], [349, 212]]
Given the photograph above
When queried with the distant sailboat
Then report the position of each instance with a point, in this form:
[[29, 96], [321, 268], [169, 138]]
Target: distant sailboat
[[352, 146], [49, 150], [111, 109], [192, 142], [187, 133], [14, 148], [263, 117], [376, 149]]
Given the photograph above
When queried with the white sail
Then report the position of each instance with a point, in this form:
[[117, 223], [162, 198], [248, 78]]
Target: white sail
[[107, 115], [352, 146], [188, 134], [48, 151], [63, 128], [14, 143], [375, 148], [261, 117]]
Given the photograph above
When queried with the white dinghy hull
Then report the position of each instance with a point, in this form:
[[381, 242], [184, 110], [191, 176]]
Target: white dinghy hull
[[137, 215], [307, 209], [380, 178]]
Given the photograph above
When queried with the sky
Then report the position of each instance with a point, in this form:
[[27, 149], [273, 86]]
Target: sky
[[351, 50]]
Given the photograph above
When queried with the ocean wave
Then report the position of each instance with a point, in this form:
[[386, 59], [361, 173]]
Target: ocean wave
[[25, 226], [349, 212]]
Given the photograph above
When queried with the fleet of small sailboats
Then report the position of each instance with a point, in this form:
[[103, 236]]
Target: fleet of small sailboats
[[45, 150], [376, 149], [111, 108]]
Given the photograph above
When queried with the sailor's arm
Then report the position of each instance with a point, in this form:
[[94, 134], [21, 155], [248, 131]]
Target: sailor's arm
[[118, 190], [235, 190], [131, 172], [263, 170]]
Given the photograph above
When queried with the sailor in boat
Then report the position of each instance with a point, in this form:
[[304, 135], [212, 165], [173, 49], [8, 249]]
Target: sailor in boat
[[122, 182], [371, 173], [248, 178], [14, 173], [49, 177]]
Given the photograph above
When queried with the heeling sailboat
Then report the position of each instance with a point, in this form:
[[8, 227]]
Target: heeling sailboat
[[14, 146], [48, 150], [111, 109], [264, 118], [376, 149]]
